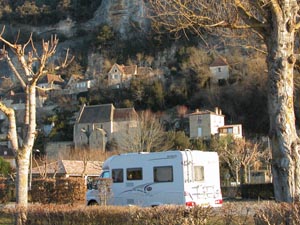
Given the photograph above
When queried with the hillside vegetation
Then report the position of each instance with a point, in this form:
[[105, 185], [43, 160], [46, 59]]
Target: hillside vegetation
[[184, 62]]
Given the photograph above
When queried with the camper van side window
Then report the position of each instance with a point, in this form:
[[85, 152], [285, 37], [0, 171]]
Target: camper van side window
[[163, 174], [117, 175], [134, 174], [199, 173]]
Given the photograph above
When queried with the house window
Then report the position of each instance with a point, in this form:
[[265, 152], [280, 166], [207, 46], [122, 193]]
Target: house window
[[117, 175], [116, 76], [199, 132], [198, 173], [163, 174], [134, 174], [199, 120], [230, 130], [219, 69]]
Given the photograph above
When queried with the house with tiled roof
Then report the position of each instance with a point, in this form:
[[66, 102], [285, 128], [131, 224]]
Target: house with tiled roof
[[51, 82], [205, 124], [219, 69], [98, 124], [121, 75], [68, 168], [78, 84]]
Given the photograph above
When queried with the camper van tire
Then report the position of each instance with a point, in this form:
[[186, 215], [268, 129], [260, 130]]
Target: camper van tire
[[92, 202]]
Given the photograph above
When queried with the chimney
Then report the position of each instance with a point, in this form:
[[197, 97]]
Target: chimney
[[217, 110]]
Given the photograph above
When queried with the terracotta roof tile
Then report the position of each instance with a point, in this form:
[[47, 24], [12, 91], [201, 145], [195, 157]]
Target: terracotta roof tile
[[124, 114], [51, 78], [70, 167], [144, 71], [219, 62]]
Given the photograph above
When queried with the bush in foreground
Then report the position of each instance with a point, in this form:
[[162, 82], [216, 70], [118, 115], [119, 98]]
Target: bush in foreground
[[235, 213], [278, 214]]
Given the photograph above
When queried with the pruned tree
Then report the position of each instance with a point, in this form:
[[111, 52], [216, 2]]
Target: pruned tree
[[239, 155], [275, 23], [147, 136], [28, 57]]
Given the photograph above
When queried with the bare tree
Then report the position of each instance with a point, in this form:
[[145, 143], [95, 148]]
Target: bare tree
[[239, 155], [27, 55], [147, 136], [275, 23]]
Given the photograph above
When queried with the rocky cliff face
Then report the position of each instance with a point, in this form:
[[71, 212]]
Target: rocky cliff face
[[122, 15], [126, 17]]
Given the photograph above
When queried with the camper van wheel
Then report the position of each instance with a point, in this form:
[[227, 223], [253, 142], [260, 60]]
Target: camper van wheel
[[93, 203]]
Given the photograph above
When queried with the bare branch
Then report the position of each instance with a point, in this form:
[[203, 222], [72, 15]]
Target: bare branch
[[25, 45], [12, 131], [2, 32], [66, 62], [249, 19]]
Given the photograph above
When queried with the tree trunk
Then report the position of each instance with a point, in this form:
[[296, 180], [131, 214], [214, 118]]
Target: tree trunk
[[284, 139], [237, 174], [22, 186], [23, 156], [244, 174]]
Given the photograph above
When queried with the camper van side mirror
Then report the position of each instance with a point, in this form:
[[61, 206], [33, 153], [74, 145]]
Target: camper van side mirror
[[89, 183], [92, 184]]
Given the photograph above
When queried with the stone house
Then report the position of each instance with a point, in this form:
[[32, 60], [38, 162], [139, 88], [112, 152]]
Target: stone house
[[78, 84], [51, 81], [220, 71], [98, 124], [205, 124], [234, 129], [59, 149], [120, 75]]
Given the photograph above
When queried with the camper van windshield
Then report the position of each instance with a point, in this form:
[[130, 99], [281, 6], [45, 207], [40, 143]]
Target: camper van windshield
[[105, 174]]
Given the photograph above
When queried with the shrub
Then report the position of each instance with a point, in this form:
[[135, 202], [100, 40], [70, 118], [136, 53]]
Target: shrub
[[235, 213], [7, 187], [59, 190], [109, 215], [278, 213]]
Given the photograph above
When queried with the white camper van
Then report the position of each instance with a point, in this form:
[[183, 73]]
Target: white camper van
[[188, 177]]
